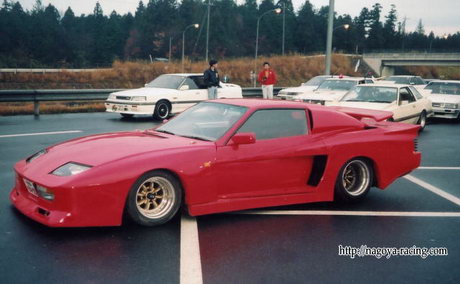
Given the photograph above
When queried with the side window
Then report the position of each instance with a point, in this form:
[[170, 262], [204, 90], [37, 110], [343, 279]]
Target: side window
[[190, 83], [276, 123], [199, 81], [369, 81], [406, 95], [416, 93]]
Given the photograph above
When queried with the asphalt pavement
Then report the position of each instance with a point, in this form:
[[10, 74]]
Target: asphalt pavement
[[290, 244]]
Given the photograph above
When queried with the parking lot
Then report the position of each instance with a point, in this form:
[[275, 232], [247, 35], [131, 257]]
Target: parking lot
[[290, 244]]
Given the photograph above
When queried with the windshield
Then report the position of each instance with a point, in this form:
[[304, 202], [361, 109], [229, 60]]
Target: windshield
[[166, 82], [371, 94], [205, 121], [448, 88], [315, 81], [399, 80], [338, 84]]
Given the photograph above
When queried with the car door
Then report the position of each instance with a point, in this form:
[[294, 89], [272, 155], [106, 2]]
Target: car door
[[189, 95], [407, 110], [279, 162]]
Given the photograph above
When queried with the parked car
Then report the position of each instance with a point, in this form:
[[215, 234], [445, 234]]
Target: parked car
[[306, 87], [331, 90], [445, 96], [166, 95], [406, 103], [416, 81], [217, 156]]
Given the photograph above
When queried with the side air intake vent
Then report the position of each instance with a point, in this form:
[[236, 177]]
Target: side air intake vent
[[317, 171]]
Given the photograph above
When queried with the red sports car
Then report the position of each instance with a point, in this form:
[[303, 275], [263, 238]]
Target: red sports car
[[217, 156]]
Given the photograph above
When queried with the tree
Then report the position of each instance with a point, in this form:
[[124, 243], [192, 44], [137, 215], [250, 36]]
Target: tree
[[375, 39]]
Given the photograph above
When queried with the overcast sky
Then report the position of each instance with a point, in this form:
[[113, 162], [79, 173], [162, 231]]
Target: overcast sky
[[439, 16]]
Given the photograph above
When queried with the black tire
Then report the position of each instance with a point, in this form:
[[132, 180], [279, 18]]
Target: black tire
[[354, 180], [154, 199], [127, 115], [162, 110], [422, 121]]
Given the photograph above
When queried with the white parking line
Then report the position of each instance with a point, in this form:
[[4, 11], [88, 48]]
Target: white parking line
[[40, 133], [433, 189], [190, 259], [351, 213], [438, 168]]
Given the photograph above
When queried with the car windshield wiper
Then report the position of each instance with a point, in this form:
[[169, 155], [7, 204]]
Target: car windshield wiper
[[387, 102], [195, 137], [165, 131], [354, 101]]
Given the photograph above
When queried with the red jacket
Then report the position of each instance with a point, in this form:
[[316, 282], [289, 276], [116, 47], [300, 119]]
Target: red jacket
[[267, 77]]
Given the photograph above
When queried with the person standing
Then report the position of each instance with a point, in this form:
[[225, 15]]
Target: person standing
[[267, 78], [211, 79]]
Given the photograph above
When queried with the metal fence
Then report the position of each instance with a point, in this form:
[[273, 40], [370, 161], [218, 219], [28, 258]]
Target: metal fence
[[37, 96]]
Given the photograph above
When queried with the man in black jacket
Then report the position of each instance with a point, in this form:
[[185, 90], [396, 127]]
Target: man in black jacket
[[211, 79]]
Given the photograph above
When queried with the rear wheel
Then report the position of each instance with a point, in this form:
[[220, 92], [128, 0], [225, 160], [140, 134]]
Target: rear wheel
[[354, 180], [162, 110], [126, 115], [154, 199]]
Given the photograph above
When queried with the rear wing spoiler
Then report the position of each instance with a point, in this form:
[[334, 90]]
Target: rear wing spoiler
[[360, 113]]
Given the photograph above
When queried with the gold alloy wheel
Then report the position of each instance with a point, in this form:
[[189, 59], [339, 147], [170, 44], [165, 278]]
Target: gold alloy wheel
[[356, 177], [155, 197]]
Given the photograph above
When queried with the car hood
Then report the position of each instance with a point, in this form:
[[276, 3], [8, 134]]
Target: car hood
[[105, 148], [440, 98], [149, 92], [323, 95], [367, 105]]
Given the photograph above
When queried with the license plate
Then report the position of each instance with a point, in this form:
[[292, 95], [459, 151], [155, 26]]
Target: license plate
[[30, 187]]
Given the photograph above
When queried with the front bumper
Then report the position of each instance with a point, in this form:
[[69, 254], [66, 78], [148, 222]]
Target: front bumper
[[446, 113], [72, 207], [130, 108]]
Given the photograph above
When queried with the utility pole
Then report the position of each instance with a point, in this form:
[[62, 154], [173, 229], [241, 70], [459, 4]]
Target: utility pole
[[329, 37], [284, 26], [170, 45], [207, 30]]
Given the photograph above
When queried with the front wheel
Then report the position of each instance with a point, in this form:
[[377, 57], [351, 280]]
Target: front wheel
[[354, 180], [154, 199], [162, 110], [422, 120]]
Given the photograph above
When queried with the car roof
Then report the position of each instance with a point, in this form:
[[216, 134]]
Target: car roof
[[184, 74], [385, 85], [263, 103], [404, 76], [444, 81], [348, 78]]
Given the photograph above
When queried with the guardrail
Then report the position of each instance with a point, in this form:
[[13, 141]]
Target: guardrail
[[37, 96]]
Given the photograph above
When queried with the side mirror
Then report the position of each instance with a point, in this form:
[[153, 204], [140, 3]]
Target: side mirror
[[244, 138], [184, 88], [403, 103]]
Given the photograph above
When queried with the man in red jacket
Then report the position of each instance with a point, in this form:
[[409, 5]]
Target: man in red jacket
[[267, 78]]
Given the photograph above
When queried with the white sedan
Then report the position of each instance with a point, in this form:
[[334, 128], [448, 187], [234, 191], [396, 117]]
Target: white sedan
[[445, 96], [406, 103], [168, 94], [309, 86], [331, 90]]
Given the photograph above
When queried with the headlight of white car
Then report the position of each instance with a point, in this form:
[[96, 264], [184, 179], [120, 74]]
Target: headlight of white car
[[70, 169], [139, 99], [451, 105], [112, 97]]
